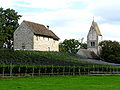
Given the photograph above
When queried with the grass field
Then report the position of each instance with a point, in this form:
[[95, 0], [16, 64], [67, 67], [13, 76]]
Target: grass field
[[62, 83]]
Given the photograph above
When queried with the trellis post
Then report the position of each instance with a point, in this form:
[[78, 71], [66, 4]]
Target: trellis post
[[39, 71], [69, 70], [3, 71], [19, 70], [25, 70], [63, 70], [73, 70], [52, 70], [32, 71], [11, 69], [79, 70]]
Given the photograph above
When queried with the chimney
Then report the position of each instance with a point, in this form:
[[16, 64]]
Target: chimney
[[47, 27]]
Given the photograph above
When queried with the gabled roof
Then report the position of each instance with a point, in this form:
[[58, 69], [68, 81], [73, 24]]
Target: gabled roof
[[95, 26], [40, 29]]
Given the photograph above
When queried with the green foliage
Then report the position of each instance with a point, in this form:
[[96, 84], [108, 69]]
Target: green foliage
[[35, 57], [41, 58], [83, 45], [110, 51], [70, 46], [8, 24]]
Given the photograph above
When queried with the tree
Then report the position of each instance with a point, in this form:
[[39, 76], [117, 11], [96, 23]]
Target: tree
[[70, 46], [110, 51], [8, 24], [83, 45]]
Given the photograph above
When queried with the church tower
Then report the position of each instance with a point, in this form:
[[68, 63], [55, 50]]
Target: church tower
[[94, 37]]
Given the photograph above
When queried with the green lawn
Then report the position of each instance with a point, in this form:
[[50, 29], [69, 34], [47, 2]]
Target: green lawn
[[62, 83]]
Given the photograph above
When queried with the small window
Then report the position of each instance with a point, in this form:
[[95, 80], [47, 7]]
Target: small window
[[48, 48], [92, 43], [23, 46], [37, 38]]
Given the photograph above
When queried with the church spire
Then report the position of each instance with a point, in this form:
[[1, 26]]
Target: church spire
[[93, 20], [95, 26]]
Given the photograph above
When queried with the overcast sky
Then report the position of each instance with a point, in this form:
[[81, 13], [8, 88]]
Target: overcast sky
[[71, 18]]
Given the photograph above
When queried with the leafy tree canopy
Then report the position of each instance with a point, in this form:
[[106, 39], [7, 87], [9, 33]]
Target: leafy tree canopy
[[110, 51], [8, 24], [70, 46]]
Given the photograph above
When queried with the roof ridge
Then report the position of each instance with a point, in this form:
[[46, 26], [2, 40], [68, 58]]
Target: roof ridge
[[33, 22]]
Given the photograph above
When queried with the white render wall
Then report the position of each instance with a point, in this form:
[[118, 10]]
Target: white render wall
[[42, 43], [100, 38], [23, 35]]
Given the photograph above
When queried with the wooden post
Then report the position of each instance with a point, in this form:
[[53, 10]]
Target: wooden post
[[3, 71], [39, 71], [63, 70], [98, 69], [113, 70], [117, 71], [33, 71], [110, 70], [25, 70], [79, 70], [73, 70], [52, 70], [45, 70], [93, 68], [58, 70], [19, 70], [106, 71], [88, 70], [11, 69], [69, 70], [102, 69]]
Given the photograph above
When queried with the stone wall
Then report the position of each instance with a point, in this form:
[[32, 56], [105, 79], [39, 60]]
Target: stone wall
[[23, 38]]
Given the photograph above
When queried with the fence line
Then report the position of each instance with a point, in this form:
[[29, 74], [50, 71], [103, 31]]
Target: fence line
[[12, 70]]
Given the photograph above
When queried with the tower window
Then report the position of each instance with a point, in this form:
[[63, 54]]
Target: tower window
[[92, 43]]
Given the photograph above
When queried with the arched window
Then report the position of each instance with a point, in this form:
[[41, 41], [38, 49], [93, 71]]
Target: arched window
[[92, 43]]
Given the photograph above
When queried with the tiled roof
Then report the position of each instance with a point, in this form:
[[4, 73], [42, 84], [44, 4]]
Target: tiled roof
[[40, 29], [95, 26]]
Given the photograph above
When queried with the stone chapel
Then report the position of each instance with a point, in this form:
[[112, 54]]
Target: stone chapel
[[94, 37], [35, 36]]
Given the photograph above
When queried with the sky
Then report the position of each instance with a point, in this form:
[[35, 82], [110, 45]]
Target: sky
[[71, 19]]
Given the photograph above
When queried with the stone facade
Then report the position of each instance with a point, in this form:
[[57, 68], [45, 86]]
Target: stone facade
[[26, 39], [94, 37]]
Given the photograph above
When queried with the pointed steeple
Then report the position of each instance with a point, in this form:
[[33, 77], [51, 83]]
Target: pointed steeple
[[95, 26], [93, 20]]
